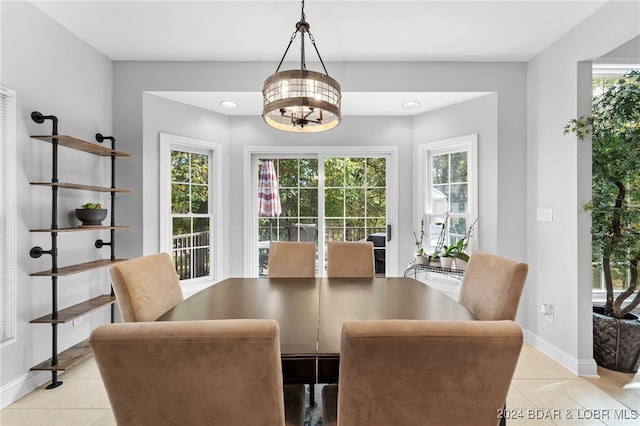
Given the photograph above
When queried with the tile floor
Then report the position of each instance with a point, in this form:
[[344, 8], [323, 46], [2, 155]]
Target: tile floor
[[542, 393]]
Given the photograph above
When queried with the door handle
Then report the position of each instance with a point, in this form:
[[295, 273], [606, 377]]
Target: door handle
[[388, 232]]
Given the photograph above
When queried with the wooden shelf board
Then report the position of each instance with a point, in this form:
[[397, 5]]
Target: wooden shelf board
[[80, 145], [67, 185], [76, 269], [80, 228], [78, 310], [68, 358]]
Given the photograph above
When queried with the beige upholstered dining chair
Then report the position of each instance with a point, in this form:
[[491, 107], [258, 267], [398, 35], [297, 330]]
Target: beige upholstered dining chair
[[216, 372], [289, 259], [492, 286], [427, 373], [293, 259], [350, 259], [145, 287]]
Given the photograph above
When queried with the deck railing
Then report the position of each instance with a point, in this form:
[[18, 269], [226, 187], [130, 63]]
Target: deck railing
[[191, 255]]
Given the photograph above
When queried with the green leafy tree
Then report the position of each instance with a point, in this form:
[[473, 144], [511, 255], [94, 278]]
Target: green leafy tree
[[615, 205], [350, 185], [189, 187]]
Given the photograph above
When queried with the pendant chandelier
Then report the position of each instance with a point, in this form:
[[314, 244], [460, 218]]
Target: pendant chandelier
[[301, 100]]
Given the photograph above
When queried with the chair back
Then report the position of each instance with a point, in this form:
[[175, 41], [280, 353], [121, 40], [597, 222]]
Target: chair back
[[145, 287], [302, 232], [292, 259], [492, 286], [410, 373], [350, 259], [216, 372]]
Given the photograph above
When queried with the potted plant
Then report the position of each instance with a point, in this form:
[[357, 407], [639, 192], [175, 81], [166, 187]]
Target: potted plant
[[459, 249], [91, 214], [420, 256], [446, 255], [615, 211]]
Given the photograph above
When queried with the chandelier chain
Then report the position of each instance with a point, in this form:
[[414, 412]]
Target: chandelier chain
[[301, 29], [313, 41], [293, 36]]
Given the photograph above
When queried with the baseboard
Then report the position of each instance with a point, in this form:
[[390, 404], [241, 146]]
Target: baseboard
[[21, 386], [579, 367]]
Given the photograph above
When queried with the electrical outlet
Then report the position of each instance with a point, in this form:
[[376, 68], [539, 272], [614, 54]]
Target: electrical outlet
[[76, 321], [544, 215], [547, 311]]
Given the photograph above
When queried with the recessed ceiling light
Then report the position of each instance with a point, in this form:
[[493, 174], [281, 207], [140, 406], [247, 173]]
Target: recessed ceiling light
[[411, 104], [229, 104]]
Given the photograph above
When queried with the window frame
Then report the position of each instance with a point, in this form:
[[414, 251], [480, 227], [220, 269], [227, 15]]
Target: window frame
[[168, 143], [611, 71], [425, 151], [252, 154]]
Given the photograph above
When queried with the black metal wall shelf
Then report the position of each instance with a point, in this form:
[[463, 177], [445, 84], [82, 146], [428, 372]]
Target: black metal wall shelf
[[66, 359]]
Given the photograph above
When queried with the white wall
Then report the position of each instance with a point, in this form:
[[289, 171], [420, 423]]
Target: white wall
[[558, 177], [165, 116], [55, 73], [507, 80], [235, 133], [476, 116], [352, 132]]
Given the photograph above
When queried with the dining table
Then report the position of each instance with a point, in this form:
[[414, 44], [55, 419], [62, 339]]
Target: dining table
[[310, 313]]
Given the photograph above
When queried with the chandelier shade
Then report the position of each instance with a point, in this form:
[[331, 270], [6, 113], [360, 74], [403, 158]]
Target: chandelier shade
[[301, 100]]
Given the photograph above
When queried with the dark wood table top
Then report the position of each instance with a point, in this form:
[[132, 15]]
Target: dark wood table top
[[311, 311], [378, 298], [292, 302]]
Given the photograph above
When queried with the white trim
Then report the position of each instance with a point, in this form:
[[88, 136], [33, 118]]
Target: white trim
[[250, 155], [579, 367], [214, 150], [618, 70], [21, 386]]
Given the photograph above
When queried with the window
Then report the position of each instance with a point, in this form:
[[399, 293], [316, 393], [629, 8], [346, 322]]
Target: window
[[339, 194], [605, 76], [355, 201], [355, 197], [287, 203], [7, 216], [188, 203], [449, 190]]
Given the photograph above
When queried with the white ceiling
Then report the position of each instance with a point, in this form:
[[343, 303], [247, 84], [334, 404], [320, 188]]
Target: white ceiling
[[345, 31]]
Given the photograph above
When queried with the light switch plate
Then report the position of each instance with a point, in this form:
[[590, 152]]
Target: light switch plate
[[545, 215]]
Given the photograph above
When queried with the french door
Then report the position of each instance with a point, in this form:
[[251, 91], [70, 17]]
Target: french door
[[332, 196]]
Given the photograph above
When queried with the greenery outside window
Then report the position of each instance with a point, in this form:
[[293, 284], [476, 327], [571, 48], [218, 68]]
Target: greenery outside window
[[191, 221]]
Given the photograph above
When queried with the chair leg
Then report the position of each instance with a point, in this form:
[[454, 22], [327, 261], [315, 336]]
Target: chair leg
[[312, 395]]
